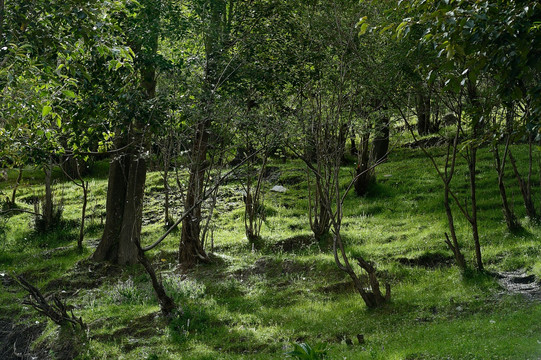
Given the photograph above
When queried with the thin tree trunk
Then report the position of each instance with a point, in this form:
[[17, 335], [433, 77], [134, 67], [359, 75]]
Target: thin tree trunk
[[510, 218], [166, 201], [473, 220], [450, 163], [167, 305], [48, 205], [17, 183], [166, 153], [453, 246], [524, 190], [477, 125], [190, 248], [353, 148], [83, 214], [423, 113]]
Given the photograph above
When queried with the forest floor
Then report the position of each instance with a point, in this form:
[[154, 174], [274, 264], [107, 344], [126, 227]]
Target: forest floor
[[255, 302]]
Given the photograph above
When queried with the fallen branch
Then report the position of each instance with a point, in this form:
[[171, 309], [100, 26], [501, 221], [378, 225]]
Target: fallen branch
[[57, 311], [20, 210]]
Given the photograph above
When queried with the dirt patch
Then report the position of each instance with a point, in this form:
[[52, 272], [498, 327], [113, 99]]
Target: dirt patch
[[427, 260], [294, 243], [85, 275], [16, 339], [519, 282]]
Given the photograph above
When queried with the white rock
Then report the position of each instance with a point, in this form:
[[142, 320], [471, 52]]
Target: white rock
[[279, 188]]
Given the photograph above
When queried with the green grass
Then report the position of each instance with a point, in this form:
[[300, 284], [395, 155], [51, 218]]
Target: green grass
[[254, 304]]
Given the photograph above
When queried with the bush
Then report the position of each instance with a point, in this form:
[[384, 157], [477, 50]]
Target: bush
[[304, 351]]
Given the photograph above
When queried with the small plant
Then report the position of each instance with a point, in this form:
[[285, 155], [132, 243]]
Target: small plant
[[303, 351], [180, 289], [126, 292]]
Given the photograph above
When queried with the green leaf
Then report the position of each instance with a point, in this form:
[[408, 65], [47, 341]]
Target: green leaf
[[69, 93], [58, 121], [363, 29], [46, 110]]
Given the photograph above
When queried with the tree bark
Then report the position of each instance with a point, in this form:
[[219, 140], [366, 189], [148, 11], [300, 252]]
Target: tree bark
[[130, 232], [191, 249], [167, 305], [453, 243], [508, 214], [423, 113], [477, 125], [127, 173], [525, 190], [473, 220], [116, 197], [380, 145], [17, 183], [363, 164], [83, 214], [48, 204]]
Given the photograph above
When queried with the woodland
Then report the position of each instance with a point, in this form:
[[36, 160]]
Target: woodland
[[261, 179]]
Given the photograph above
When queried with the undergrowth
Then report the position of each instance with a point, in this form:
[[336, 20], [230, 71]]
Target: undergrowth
[[256, 301]]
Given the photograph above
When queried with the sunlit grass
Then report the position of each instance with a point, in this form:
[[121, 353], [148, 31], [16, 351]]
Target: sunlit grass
[[254, 302]]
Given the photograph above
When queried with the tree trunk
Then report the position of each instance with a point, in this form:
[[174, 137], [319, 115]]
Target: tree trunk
[[454, 246], [130, 232], [191, 249], [48, 204], [127, 172], [108, 247], [167, 305], [166, 200], [124, 211], [353, 148], [524, 190], [320, 222], [364, 176], [380, 145], [510, 218], [473, 221], [83, 214], [17, 183], [423, 113]]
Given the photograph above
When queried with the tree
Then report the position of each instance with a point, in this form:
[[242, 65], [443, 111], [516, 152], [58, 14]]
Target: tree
[[40, 55], [127, 171], [224, 25]]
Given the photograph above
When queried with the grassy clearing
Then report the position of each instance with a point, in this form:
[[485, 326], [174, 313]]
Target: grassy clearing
[[254, 304]]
